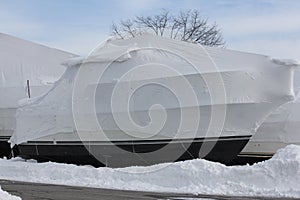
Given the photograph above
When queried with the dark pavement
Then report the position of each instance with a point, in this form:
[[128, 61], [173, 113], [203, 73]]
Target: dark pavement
[[36, 191]]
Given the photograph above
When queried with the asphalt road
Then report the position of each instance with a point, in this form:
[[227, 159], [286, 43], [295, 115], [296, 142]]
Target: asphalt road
[[36, 191]]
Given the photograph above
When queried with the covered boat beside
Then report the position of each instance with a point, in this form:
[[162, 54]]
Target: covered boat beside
[[22, 64], [280, 129]]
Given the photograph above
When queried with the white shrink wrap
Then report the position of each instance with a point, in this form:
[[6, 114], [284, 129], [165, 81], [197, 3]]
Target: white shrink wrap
[[21, 60], [233, 89]]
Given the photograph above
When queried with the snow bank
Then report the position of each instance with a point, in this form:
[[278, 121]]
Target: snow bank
[[278, 176], [6, 196]]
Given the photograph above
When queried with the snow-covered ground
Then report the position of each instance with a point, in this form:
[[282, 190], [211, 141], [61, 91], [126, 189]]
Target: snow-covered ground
[[279, 176], [6, 196]]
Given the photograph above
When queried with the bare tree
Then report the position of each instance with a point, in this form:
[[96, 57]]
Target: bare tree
[[186, 26]]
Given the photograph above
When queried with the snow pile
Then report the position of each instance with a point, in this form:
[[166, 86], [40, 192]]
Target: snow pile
[[278, 176], [6, 196]]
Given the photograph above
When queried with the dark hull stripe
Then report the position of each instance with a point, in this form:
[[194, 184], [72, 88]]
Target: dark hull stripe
[[243, 159], [162, 141], [4, 139], [4, 149], [223, 151]]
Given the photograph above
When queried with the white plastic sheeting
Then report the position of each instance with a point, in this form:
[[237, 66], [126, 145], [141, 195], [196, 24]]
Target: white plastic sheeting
[[241, 87], [20, 61]]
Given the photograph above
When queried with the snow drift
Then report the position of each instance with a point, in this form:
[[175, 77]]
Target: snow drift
[[278, 176]]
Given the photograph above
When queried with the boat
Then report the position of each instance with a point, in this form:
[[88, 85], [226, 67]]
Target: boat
[[148, 100], [280, 129], [23, 64]]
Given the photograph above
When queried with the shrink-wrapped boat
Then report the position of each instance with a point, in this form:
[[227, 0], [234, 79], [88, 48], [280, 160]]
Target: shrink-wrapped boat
[[149, 99]]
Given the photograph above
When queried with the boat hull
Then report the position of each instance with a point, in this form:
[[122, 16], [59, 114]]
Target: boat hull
[[5, 150], [7, 126], [224, 150]]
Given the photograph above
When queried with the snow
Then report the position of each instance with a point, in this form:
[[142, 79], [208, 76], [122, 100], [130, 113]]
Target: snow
[[277, 177], [6, 196]]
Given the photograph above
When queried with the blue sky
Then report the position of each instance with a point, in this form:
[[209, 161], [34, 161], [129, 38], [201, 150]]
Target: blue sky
[[269, 27]]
